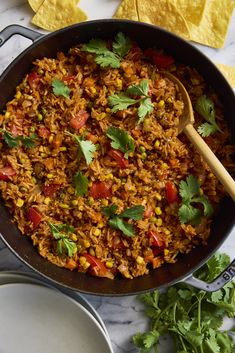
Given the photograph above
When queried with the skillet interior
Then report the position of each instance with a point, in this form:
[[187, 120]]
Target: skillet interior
[[146, 36]]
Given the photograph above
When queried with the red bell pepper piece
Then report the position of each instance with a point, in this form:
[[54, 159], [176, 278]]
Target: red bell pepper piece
[[50, 190], [79, 120], [6, 173], [34, 216], [43, 132], [33, 79], [162, 61], [119, 158], [97, 267], [157, 243], [171, 192], [100, 190]]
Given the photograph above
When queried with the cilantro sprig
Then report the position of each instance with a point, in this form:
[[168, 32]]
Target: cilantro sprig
[[192, 317], [116, 220], [85, 147], [81, 184], [104, 56], [121, 140], [60, 89], [190, 192], [14, 141], [205, 107], [123, 100], [61, 233]]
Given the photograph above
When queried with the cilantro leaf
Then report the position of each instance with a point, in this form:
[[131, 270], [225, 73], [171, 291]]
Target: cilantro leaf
[[60, 89], [121, 140], [64, 244], [135, 212], [120, 102], [10, 140], [86, 147], [96, 46], [205, 107], [146, 107], [121, 44], [108, 59], [139, 90], [190, 192], [29, 141], [81, 184], [110, 211], [13, 142], [146, 341], [125, 227]]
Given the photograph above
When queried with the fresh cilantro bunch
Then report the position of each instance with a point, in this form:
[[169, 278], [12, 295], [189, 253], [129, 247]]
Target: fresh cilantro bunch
[[60, 89], [205, 107], [86, 147], [191, 198], [13, 142], [61, 233], [192, 317], [123, 100], [121, 140], [106, 57], [81, 184], [116, 220]]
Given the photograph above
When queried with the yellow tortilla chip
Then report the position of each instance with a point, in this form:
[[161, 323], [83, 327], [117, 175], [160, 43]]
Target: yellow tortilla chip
[[191, 10], [56, 14], [164, 14], [35, 4], [214, 24], [228, 72], [127, 9]]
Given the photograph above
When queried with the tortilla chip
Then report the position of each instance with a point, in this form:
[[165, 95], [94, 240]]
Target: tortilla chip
[[164, 14], [214, 24], [191, 10], [35, 4], [56, 14], [228, 72], [127, 9]]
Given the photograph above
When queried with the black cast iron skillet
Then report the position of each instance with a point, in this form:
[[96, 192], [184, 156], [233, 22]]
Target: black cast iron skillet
[[146, 36]]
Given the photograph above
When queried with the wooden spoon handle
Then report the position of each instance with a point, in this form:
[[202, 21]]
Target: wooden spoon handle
[[213, 162]]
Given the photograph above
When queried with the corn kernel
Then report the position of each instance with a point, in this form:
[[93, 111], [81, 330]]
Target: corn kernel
[[40, 117], [19, 202], [157, 144], [167, 232], [164, 166], [23, 189], [49, 176], [97, 232], [109, 264], [105, 202], [100, 225], [161, 103], [109, 176], [158, 222], [73, 237], [51, 137], [93, 90], [166, 251], [33, 180], [158, 211], [74, 202], [7, 115], [158, 196], [139, 260], [41, 72], [64, 205], [108, 110], [41, 149], [92, 251], [169, 100], [86, 243], [143, 155], [90, 200], [18, 95], [101, 116], [152, 219], [22, 160], [86, 265], [210, 175], [43, 154], [47, 200], [63, 148], [119, 83], [82, 260]]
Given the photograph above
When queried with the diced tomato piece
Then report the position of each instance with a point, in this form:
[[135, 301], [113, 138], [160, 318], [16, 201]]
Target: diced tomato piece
[[100, 190], [156, 239], [119, 158], [34, 216], [171, 193], [135, 53], [148, 212], [68, 78], [50, 190], [33, 79], [92, 138], [79, 120], [6, 173], [97, 267], [71, 264], [162, 61], [43, 132]]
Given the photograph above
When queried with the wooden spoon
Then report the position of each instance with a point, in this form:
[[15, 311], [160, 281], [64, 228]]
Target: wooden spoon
[[186, 126]]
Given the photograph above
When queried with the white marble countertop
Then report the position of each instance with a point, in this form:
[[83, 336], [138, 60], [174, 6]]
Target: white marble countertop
[[123, 316]]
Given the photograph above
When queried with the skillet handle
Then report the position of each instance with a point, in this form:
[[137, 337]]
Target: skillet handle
[[225, 277], [11, 30]]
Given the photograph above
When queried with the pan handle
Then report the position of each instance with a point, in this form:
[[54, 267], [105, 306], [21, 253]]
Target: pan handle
[[11, 30], [225, 277]]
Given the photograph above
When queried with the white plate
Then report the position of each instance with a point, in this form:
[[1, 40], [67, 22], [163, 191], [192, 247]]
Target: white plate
[[22, 277], [38, 319]]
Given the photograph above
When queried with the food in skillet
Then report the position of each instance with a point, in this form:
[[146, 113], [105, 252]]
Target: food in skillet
[[91, 166]]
